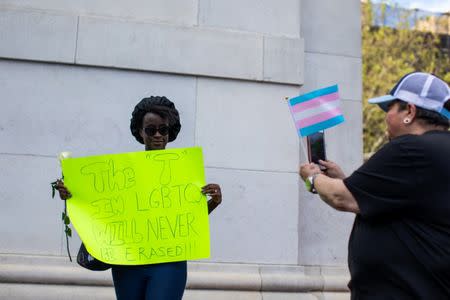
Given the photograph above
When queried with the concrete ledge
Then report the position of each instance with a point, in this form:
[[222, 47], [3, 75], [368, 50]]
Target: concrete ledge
[[189, 50], [137, 45], [168, 48], [22, 291], [214, 276], [48, 270], [58, 292]]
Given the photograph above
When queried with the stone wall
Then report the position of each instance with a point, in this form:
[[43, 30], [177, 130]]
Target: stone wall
[[70, 74]]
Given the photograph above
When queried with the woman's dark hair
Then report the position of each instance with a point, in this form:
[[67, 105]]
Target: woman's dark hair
[[161, 106], [428, 116]]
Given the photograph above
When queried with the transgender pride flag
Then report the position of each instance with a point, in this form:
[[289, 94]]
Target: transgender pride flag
[[316, 111]]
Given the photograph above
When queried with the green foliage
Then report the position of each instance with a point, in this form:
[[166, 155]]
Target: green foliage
[[388, 54], [53, 184], [65, 217]]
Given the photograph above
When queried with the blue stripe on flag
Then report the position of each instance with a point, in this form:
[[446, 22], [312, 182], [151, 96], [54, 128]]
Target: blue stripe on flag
[[314, 94], [321, 126]]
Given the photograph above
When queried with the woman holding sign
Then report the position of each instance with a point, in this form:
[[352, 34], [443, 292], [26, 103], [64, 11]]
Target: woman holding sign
[[155, 122]]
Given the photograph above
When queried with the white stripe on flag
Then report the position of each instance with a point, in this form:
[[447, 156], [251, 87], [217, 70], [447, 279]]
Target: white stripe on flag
[[316, 110]]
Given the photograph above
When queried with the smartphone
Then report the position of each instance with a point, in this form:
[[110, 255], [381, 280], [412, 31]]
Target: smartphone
[[316, 148]]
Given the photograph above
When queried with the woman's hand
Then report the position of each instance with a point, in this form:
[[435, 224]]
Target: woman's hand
[[64, 193], [212, 190], [332, 169]]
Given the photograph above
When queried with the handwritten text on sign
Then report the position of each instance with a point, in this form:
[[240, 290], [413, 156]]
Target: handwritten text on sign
[[140, 208]]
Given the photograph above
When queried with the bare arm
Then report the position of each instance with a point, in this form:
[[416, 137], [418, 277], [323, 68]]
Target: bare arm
[[331, 190], [335, 193]]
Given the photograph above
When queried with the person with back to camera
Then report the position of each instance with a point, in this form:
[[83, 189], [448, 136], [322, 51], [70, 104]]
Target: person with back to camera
[[155, 122], [399, 247]]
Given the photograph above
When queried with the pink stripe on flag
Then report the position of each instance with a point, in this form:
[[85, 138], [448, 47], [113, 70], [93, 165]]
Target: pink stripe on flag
[[318, 118], [315, 102]]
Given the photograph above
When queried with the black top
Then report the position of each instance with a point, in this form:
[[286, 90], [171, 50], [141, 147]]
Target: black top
[[400, 243]]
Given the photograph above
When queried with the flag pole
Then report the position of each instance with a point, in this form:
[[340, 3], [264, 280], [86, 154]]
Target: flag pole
[[302, 144], [304, 149]]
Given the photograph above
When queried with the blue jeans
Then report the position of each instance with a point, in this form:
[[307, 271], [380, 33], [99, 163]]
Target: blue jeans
[[164, 281]]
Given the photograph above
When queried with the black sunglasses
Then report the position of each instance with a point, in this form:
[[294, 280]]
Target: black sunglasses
[[151, 130]]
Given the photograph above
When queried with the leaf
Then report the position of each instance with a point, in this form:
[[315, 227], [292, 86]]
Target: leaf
[[68, 231], [53, 184], [66, 220], [63, 216]]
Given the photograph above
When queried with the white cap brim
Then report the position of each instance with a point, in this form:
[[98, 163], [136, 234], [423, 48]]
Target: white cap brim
[[382, 101]]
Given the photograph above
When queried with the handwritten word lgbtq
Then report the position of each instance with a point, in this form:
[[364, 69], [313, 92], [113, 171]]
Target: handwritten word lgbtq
[[137, 224]]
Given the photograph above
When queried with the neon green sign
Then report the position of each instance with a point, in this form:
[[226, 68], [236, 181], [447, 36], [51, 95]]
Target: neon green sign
[[141, 207]]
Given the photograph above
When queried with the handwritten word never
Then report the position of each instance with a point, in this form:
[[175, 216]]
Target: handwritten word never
[[161, 228]]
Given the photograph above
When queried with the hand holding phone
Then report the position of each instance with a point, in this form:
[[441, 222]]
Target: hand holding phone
[[316, 148], [332, 169]]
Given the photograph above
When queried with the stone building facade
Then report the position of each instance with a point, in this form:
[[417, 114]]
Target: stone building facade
[[70, 74]]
